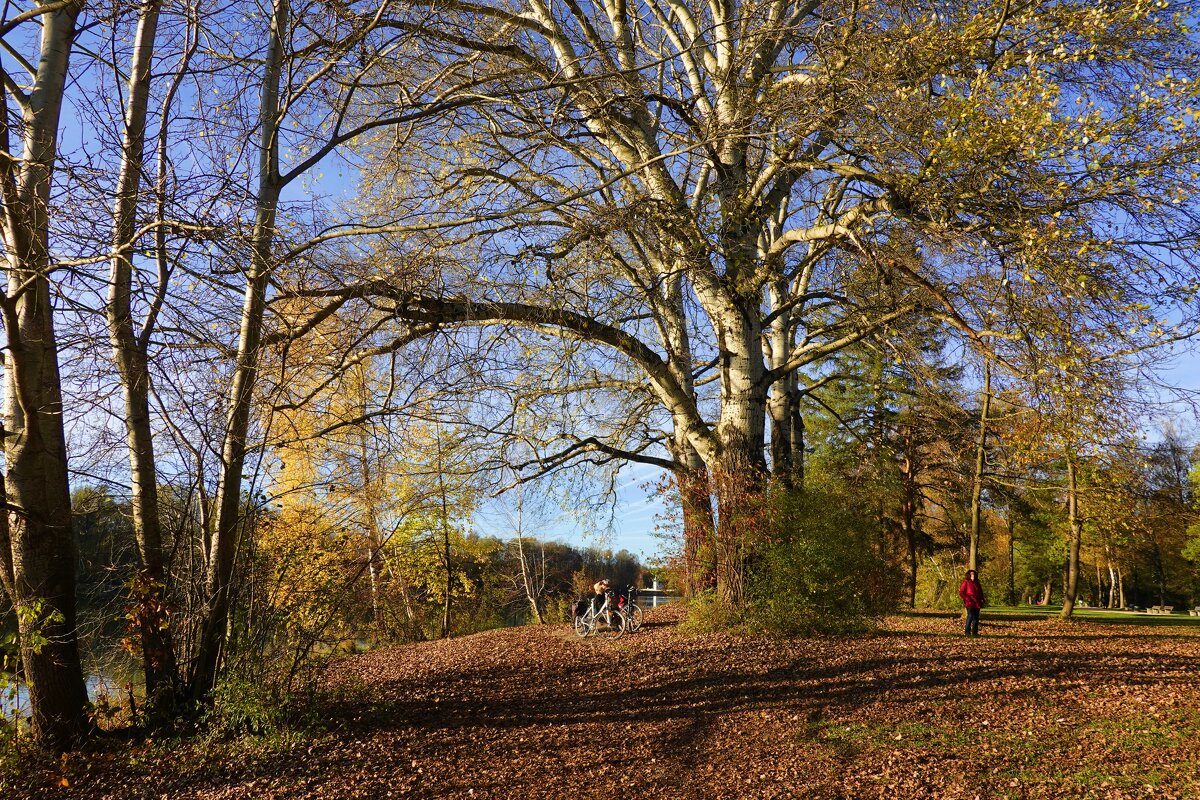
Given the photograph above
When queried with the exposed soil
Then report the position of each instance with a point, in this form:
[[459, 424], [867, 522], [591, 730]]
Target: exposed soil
[[1034, 708]]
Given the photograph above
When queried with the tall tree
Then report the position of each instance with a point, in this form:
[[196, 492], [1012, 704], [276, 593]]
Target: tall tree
[[892, 427], [130, 338], [39, 547], [985, 409], [773, 156], [314, 63]]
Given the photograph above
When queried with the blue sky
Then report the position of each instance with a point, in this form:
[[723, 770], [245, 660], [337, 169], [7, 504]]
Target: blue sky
[[626, 523]]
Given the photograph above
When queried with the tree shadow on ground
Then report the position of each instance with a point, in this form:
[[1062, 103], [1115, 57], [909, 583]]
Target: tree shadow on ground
[[575, 710]]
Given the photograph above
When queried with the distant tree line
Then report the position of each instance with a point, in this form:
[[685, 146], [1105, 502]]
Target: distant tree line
[[311, 595], [907, 445]]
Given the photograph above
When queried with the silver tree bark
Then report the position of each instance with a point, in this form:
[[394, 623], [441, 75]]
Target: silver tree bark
[[132, 360], [40, 534]]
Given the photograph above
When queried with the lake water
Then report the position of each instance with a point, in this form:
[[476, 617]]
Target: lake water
[[96, 686], [646, 600]]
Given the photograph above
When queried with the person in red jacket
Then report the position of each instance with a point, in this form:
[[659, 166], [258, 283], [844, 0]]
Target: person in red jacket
[[971, 592]]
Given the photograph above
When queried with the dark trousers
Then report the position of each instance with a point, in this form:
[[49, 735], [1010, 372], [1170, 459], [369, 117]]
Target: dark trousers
[[972, 621]]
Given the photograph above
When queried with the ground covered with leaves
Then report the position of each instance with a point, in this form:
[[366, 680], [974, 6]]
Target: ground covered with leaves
[[1034, 708]]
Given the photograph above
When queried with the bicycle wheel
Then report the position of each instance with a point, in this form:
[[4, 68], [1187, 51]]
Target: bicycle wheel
[[612, 627], [582, 626], [633, 618]]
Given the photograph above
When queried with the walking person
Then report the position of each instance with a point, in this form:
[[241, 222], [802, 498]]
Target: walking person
[[971, 592]]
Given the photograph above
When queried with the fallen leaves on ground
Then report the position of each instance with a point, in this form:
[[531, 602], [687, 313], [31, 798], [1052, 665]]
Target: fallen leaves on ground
[[1035, 708]]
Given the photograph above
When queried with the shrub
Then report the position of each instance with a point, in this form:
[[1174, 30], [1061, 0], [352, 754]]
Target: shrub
[[706, 613], [242, 704], [816, 571], [264, 696]]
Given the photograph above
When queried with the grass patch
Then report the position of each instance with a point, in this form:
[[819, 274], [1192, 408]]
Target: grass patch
[[1016, 613], [907, 735], [1130, 753]]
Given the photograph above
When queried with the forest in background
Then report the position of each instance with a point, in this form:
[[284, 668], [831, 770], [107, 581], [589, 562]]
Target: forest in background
[[883, 289], [312, 590]]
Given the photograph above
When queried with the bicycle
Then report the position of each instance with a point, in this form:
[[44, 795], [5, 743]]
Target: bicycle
[[627, 605], [606, 621]]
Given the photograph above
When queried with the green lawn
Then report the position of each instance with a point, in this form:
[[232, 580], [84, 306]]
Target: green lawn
[[1094, 615]]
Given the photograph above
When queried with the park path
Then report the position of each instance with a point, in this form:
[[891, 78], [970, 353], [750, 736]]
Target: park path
[[1035, 708]]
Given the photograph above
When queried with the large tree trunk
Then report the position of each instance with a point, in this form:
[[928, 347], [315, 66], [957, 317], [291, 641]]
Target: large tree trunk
[[740, 476], [699, 534], [229, 499], [130, 355], [40, 536], [691, 476], [740, 488], [741, 483]]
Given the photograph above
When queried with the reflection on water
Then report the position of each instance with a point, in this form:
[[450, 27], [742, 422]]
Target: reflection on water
[[9, 703]]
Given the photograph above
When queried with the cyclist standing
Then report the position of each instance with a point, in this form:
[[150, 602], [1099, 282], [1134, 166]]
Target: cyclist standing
[[599, 590]]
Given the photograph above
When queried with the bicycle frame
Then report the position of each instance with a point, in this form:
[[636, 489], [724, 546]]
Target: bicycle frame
[[631, 610], [589, 622]]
